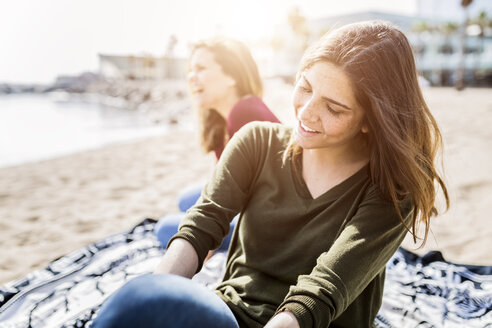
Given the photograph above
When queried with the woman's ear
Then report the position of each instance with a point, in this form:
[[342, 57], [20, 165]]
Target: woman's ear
[[364, 128], [231, 82]]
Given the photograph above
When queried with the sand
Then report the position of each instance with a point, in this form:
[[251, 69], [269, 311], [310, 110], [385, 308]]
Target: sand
[[464, 233], [50, 208]]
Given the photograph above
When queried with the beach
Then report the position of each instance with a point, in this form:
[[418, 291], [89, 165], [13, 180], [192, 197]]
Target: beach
[[52, 207]]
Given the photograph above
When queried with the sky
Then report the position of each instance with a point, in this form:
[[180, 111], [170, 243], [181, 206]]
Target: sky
[[43, 39]]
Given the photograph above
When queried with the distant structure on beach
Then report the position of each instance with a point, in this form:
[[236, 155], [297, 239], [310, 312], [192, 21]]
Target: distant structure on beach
[[439, 38], [451, 43], [142, 67]]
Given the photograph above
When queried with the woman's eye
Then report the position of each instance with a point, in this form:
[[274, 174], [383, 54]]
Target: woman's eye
[[198, 68], [305, 89], [332, 111]]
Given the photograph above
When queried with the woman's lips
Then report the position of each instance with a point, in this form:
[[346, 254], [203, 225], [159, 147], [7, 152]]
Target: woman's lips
[[195, 91], [305, 130]]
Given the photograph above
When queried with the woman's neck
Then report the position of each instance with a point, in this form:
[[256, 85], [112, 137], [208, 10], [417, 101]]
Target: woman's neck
[[344, 158], [226, 104], [322, 169], [335, 157]]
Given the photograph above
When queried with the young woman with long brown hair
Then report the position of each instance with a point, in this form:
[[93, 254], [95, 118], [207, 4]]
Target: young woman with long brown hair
[[226, 89], [323, 206]]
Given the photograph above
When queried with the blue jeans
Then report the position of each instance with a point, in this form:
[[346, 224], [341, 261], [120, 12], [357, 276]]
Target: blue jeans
[[188, 197], [160, 301], [168, 225]]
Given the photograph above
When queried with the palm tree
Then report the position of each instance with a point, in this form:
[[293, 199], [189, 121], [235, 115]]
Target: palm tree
[[171, 45], [448, 29], [299, 26], [483, 21], [420, 27], [460, 72]]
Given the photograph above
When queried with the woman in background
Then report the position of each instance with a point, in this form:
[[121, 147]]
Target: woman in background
[[226, 89]]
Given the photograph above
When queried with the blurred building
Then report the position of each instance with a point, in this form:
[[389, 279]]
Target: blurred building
[[325, 24], [438, 56], [451, 10], [435, 33], [437, 39], [142, 67]]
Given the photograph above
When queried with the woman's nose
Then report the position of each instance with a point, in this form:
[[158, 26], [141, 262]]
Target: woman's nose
[[307, 112], [191, 76]]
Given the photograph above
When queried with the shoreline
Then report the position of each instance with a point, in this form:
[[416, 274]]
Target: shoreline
[[52, 207], [166, 130], [36, 127]]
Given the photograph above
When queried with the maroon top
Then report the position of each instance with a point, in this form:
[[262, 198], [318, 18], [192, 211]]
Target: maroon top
[[248, 109]]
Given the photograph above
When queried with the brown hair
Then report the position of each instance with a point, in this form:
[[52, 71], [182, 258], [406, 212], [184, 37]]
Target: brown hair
[[403, 135], [237, 62]]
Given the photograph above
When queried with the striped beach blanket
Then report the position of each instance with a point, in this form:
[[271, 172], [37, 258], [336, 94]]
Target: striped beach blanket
[[419, 291]]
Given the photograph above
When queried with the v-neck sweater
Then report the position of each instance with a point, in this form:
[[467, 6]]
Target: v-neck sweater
[[323, 259]]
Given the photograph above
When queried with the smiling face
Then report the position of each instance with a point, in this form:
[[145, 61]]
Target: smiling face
[[207, 83], [327, 112]]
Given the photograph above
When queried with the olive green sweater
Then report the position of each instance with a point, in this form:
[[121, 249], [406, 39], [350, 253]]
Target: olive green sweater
[[323, 259]]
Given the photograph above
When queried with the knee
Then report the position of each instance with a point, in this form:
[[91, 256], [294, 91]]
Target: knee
[[188, 197], [132, 305], [163, 301]]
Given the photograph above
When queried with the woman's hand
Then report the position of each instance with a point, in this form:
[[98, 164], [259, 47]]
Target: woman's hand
[[285, 319]]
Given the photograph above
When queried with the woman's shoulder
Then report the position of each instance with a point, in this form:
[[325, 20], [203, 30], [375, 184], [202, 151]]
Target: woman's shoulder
[[250, 101], [248, 104], [375, 197], [266, 129], [265, 133], [249, 108]]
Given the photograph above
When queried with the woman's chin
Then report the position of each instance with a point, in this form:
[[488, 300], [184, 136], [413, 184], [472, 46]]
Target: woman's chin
[[199, 101], [302, 142]]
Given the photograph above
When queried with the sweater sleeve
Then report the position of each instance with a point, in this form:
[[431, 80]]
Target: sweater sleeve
[[359, 253], [207, 222]]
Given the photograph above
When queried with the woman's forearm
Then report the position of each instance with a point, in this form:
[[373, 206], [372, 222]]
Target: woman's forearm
[[285, 319], [180, 259]]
